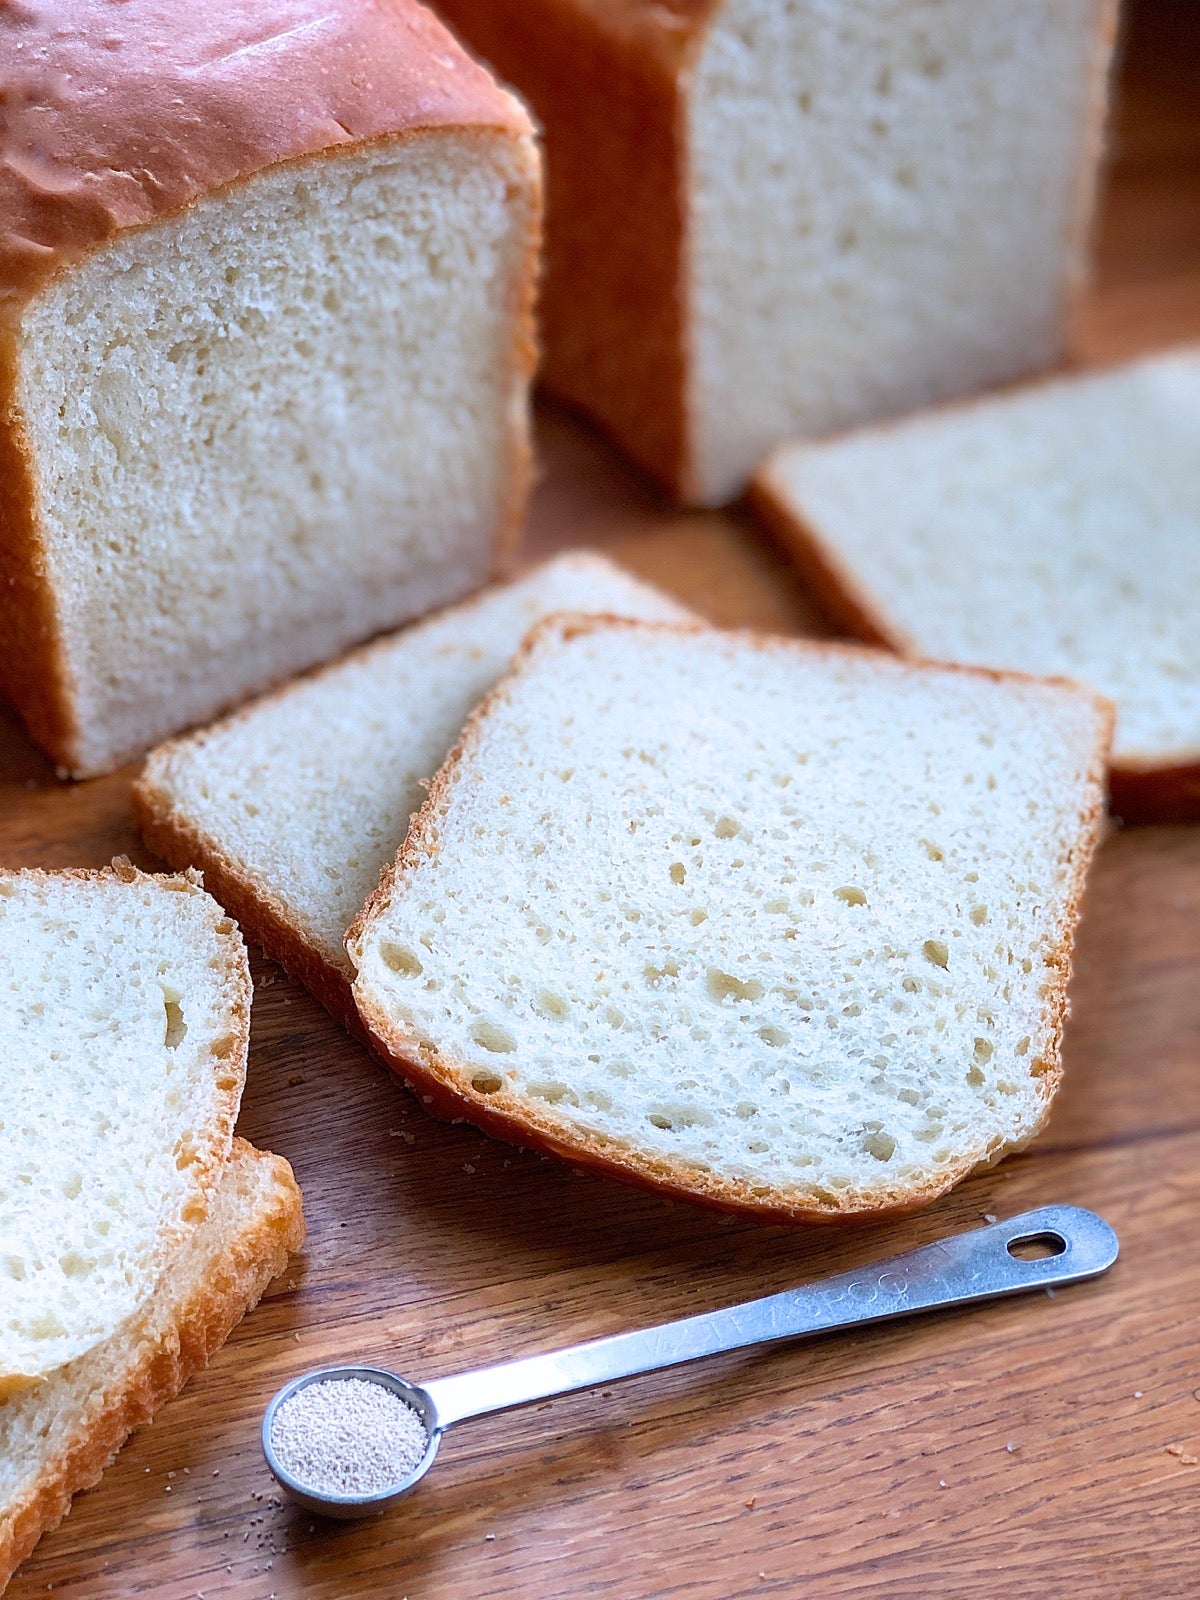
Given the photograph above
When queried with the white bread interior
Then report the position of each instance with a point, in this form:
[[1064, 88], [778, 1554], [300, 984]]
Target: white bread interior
[[58, 1437], [277, 422], [783, 927], [1051, 530], [888, 205]]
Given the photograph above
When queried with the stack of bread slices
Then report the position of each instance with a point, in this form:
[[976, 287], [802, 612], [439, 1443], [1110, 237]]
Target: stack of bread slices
[[135, 1229]]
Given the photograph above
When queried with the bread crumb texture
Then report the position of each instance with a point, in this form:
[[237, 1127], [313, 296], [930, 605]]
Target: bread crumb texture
[[1051, 530], [309, 793], [784, 925], [124, 1005]]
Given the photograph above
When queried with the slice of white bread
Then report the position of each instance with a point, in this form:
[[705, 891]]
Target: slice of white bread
[[58, 1437], [1054, 529], [779, 926], [124, 1020], [766, 220], [295, 805], [264, 354]]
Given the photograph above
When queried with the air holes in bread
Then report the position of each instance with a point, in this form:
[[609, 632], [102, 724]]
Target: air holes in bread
[[399, 958], [491, 1036], [174, 1027], [936, 953], [487, 1083], [724, 986]]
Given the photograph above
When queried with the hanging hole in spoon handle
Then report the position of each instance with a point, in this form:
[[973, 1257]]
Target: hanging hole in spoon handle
[[1066, 1244]]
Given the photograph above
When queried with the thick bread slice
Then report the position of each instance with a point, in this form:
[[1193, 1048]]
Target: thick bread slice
[[124, 1022], [294, 806], [779, 926], [1051, 530], [57, 1438]]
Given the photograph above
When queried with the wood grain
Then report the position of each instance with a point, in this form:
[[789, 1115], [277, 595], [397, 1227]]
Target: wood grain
[[1018, 1450]]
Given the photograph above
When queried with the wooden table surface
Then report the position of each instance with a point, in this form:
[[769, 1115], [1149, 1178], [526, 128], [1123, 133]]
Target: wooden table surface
[[1036, 1448]]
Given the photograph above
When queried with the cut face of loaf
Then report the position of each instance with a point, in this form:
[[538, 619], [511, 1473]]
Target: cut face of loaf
[[57, 1437], [123, 1033], [1052, 530], [266, 284], [773, 220], [273, 425], [777, 926], [295, 805]]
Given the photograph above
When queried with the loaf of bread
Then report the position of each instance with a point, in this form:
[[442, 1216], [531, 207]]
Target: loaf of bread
[[57, 1438], [123, 1036], [1055, 530], [295, 805], [266, 276], [778, 926], [767, 221]]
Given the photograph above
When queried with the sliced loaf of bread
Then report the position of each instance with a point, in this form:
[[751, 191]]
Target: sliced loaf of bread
[[57, 1437], [1054, 529], [295, 805], [767, 220], [266, 336], [778, 926], [123, 1035]]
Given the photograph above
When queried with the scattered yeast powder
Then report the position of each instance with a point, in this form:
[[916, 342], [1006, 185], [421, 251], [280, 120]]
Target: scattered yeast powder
[[347, 1436]]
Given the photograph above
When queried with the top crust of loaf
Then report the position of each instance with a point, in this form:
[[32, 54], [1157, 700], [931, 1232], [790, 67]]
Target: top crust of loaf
[[119, 115]]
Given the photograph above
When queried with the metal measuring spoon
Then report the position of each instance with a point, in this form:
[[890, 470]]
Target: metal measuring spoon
[[979, 1265]]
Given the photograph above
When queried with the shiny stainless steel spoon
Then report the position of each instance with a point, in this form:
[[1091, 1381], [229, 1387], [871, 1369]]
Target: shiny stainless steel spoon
[[980, 1265]]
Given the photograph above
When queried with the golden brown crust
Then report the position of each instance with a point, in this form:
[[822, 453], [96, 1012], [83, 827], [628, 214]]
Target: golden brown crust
[[445, 1085], [607, 83], [32, 667], [178, 1342], [116, 118]]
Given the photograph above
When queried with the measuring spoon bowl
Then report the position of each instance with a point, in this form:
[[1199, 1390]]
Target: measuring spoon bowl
[[347, 1507]]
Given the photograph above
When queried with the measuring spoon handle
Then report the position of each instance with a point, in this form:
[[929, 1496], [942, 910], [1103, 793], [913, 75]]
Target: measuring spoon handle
[[979, 1265]]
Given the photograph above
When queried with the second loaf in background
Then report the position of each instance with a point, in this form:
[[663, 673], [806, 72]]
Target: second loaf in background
[[768, 220], [266, 284], [295, 805], [779, 926]]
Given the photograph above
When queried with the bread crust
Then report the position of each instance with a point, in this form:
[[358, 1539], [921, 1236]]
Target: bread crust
[[114, 123], [141, 135], [444, 1084], [172, 1342], [607, 80]]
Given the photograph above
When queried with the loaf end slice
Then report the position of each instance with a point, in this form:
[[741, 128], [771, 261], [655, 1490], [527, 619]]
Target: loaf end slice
[[776, 926], [294, 806], [58, 1438], [1051, 530], [123, 1038]]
